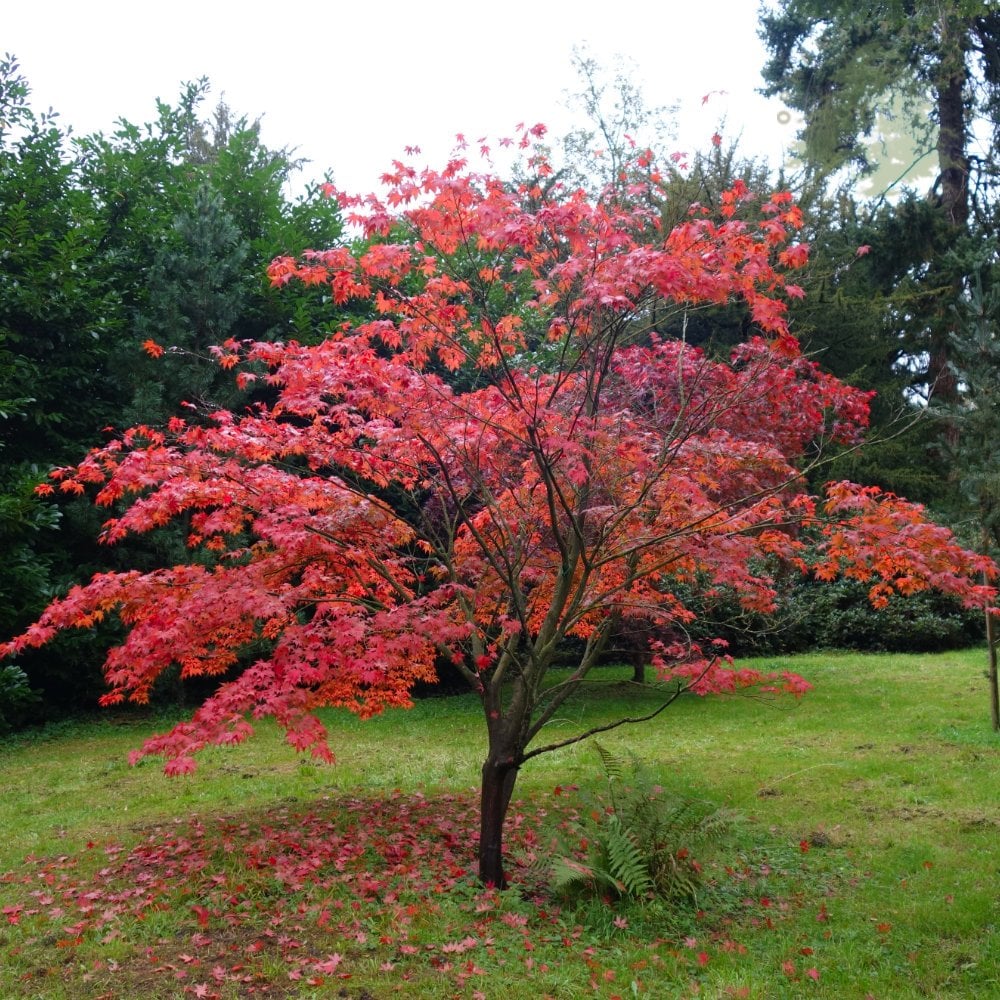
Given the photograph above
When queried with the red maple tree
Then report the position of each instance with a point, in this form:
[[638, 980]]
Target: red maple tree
[[513, 452]]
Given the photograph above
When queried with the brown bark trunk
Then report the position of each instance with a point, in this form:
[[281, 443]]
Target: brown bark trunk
[[991, 648], [953, 159], [497, 787], [638, 667], [991, 644], [953, 166]]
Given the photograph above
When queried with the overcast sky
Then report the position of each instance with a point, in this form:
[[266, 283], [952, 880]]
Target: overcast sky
[[350, 84]]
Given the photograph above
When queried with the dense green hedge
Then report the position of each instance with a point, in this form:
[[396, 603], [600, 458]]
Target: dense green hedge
[[839, 616]]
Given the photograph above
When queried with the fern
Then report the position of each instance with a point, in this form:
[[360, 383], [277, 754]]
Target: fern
[[567, 875], [626, 863], [614, 766], [638, 841]]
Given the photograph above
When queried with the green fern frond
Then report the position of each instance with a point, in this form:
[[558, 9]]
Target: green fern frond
[[718, 822], [673, 878], [568, 875], [640, 840], [626, 862], [614, 765]]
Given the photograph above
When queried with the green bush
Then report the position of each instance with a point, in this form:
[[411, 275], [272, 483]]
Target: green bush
[[839, 615], [16, 697]]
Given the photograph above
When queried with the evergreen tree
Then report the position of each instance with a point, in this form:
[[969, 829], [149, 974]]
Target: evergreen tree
[[938, 67], [197, 291]]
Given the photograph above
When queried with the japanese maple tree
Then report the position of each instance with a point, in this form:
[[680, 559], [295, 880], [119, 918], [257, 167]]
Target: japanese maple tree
[[511, 453]]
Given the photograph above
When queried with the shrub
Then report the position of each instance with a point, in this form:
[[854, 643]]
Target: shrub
[[16, 697], [839, 615], [633, 841]]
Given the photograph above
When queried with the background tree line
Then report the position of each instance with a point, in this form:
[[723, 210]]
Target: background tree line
[[162, 232], [901, 286]]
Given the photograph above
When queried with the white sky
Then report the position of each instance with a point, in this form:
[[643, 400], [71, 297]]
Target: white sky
[[350, 84]]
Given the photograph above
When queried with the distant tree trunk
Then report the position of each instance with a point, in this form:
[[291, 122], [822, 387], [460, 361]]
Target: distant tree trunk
[[991, 643], [953, 139], [953, 182], [991, 648], [638, 659], [636, 647]]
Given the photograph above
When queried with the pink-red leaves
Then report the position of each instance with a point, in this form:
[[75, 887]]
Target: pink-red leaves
[[883, 539], [372, 516]]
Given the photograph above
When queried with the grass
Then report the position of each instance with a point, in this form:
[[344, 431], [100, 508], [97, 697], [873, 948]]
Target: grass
[[865, 862]]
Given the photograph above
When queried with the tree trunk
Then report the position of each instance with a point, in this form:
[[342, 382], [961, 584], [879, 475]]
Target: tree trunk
[[499, 775], [991, 643], [638, 667], [953, 167], [991, 648], [953, 158]]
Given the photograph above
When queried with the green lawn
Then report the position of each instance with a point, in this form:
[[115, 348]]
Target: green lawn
[[865, 862]]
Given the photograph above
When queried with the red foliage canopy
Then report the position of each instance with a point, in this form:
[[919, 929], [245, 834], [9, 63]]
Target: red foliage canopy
[[511, 449]]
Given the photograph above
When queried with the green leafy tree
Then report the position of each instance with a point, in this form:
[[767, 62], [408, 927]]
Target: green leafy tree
[[57, 320], [193, 209], [160, 232], [197, 293], [844, 65]]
